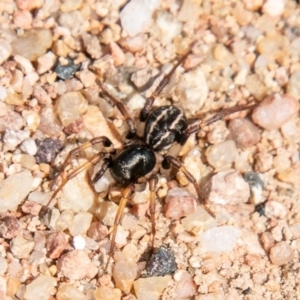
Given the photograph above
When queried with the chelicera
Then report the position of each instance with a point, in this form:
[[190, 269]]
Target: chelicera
[[165, 127]]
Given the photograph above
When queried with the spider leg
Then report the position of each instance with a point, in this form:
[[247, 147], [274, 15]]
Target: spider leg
[[149, 102], [125, 196], [170, 160], [97, 140], [121, 107], [152, 185], [195, 127], [96, 158]]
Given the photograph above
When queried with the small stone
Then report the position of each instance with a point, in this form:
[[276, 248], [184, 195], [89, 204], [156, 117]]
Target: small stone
[[80, 223], [293, 86], [12, 286], [24, 64], [5, 51], [12, 138], [290, 175], [41, 95], [107, 212], [76, 265], [29, 146], [136, 16], [252, 260], [87, 78], [220, 239], [14, 189], [56, 244], [64, 220], [32, 44], [66, 71], [192, 90], [161, 263], [124, 274], [150, 288], [70, 107], [31, 208], [186, 287], [79, 242], [47, 150], [3, 265], [244, 133], [273, 7], [107, 293], [49, 123], [9, 227], [263, 162], [11, 120], [267, 241], [281, 254], [133, 44], [255, 86], [179, 203], [275, 110], [222, 155], [21, 247], [46, 62], [198, 221], [229, 187], [74, 21], [40, 288], [275, 209], [97, 231], [117, 54], [78, 195], [69, 292]]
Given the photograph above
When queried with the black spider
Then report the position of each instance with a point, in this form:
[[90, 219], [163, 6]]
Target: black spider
[[165, 126]]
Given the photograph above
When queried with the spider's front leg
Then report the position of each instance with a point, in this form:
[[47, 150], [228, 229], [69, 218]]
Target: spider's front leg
[[95, 159]]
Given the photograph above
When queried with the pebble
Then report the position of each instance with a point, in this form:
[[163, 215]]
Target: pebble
[[70, 106], [5, 51], [69, 292], [74, 21], [56, 243], [267, 240], [79, 242], [107, 293], [46, 62], [21, 247], [186, 287], [31, 118], [133, 44], [281, 254], [220, 239], [117, 54], [222, 155], [136, 16], [40, 288], [31, 208], [198, 221], [97, 231], [14, 189], [32, 44], [275, 209], [275, 110], [10, 227], [49, 123], [12, 286], [11, 120], [263, 162], [229, 187], [12, 138], [41, 95], [3, 265], [66, 71], [192, 90], [64, 220], [293, 86], [244, 133], [179, 203], [76, 265], [150, 288], [28, 146], [78, 194], [87, 78], [124, 274], [80, 223], [255, 86], [273, 7], [24, 64], [161, 263], [107, 212], [47, 150]]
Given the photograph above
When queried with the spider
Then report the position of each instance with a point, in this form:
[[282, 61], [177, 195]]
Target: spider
[[165, 126]]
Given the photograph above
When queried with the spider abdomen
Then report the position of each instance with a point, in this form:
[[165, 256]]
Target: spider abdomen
[[132, 163], [164, 126]]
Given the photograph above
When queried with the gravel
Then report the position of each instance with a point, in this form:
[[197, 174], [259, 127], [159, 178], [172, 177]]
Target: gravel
[[247, 165]]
